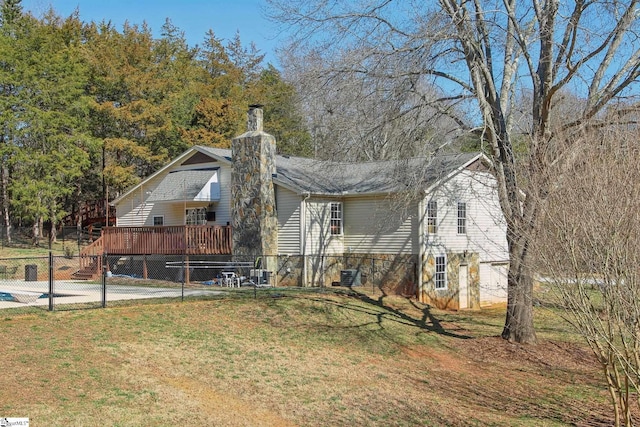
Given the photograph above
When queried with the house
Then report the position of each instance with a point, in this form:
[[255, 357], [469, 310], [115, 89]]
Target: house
[[431, 228]]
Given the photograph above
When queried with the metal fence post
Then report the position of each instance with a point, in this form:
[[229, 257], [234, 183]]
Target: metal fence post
[[184, 273], [258, 268], [79, 237], [373, 275], [104, 280], [51, 281]]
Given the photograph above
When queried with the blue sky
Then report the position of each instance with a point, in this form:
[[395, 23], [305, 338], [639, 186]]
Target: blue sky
[[194, 17]]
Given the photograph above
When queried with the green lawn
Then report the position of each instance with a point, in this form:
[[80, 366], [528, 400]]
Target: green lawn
[[293, 358], [23, 248]]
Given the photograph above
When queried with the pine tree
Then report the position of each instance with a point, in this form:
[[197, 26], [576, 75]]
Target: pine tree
[[48, 136]]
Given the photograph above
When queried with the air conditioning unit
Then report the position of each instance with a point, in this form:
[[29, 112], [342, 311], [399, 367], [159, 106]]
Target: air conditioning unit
[[261, 277], [350, 277]]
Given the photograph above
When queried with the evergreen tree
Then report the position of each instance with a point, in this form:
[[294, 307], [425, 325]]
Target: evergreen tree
[[10, 12], [122, 95], [282, 118], [219, 115], [87, 110], [10, 22], [48, 135], [144, 94]]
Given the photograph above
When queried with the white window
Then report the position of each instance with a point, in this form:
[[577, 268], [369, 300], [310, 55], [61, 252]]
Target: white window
[[462, 218], [336, 219], [196, 216], [432, 217], [158, 221], [440, 278]]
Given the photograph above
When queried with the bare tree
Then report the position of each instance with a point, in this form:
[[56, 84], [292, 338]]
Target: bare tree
[[360, 115], [589, 251], [500, 56]]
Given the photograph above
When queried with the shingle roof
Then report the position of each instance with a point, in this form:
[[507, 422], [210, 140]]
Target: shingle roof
[[340, 178], [181, 185], [367, 177]]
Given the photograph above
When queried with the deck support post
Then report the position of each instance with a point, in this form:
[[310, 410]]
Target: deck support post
[[144, 267], [186, 269]]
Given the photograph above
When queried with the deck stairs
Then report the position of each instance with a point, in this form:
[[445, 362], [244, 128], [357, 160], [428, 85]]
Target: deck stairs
[[90, 261], [90, 271]]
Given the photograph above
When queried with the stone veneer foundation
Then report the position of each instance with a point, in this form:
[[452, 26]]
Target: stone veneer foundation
[[449, 298], [393, 274]]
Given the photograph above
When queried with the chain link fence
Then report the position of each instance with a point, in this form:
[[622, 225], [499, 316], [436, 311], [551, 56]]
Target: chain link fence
[[81, 282]]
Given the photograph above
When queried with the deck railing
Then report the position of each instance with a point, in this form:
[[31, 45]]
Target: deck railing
[[168, 240], [89, 213], [91, 256]]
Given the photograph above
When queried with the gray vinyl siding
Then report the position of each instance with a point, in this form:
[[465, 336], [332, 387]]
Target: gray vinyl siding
[[288, 208], [375, 225]]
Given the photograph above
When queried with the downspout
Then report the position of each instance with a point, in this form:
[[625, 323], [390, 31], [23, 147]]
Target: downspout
[[421, 248], [303, 235]]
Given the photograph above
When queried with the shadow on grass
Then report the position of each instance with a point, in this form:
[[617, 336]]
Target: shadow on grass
[[427, 321]]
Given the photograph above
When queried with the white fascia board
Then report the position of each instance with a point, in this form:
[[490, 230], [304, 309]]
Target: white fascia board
[[456, 171]]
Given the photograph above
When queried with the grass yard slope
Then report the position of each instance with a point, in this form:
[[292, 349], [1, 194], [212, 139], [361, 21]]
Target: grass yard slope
[[294, 359]]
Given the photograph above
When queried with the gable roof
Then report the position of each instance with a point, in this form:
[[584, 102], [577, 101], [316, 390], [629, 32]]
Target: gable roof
[[321, 177], [182, 185]]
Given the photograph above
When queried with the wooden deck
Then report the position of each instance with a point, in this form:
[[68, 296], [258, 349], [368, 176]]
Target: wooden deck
[[168, 240], [90, 213]]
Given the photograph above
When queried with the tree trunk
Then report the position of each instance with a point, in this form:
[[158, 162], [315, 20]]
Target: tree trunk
[[518, 326], [53, 233], [54, 225], [5, 201], [36, 232]]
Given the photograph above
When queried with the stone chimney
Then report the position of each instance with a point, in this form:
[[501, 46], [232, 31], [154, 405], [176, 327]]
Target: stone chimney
[[254, 220], [254, 118]]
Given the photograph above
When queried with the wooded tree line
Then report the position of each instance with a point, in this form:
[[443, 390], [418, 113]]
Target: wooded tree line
[[86, 106]]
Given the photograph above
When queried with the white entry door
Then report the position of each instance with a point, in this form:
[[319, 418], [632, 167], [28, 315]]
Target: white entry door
[[463, 292]]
